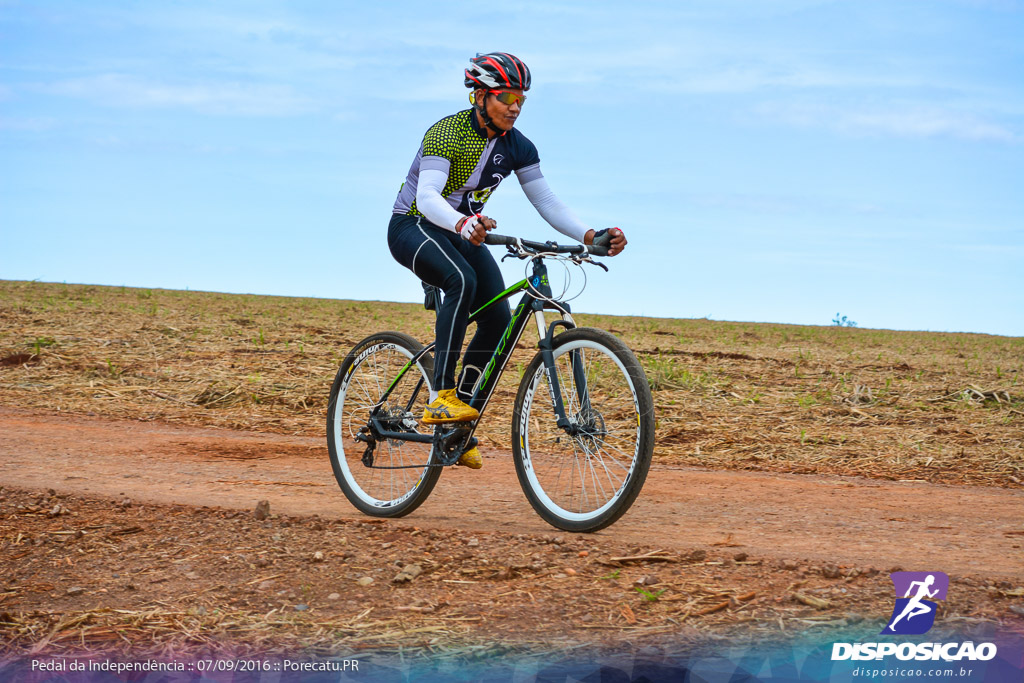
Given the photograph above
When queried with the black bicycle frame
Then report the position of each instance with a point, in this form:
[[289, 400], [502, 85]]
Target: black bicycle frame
[[537, 297]]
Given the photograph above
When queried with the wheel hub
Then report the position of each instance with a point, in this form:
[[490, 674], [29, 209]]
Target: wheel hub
[[590, 429]]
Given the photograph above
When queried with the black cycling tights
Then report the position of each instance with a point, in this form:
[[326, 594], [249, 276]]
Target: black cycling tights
[[469, 277]]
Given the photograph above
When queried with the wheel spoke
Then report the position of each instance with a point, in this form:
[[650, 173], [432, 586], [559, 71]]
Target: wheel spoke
[[400, 472], [580, 477]]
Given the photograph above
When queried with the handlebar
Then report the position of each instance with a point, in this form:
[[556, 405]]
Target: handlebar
[[544, 247]]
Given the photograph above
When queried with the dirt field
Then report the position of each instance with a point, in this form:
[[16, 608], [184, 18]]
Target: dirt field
[[795, 468]]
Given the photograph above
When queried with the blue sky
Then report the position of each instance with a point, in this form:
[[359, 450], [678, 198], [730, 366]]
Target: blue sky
[[779, 160]]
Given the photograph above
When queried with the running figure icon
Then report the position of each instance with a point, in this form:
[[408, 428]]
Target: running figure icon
[[918, 591], [915, 607]]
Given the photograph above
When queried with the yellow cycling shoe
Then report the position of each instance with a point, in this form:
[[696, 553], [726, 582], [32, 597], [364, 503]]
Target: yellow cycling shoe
[[471, 459], [448, 407]]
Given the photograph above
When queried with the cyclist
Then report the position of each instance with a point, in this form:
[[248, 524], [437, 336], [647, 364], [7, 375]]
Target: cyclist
[[437, 226]]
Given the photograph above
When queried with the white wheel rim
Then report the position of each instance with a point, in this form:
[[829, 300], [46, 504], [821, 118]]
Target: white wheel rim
[[339, 433], [590, 466]]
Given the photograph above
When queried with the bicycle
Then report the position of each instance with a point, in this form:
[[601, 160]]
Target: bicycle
[[582, 421]]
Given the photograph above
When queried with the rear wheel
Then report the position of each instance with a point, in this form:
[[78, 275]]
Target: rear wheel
[[394, 477], [584, 475]]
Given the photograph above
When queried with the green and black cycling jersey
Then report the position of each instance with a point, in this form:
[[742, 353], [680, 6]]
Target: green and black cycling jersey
[[458, 146]]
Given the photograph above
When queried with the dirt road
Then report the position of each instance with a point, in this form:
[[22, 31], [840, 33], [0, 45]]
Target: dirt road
[[847, 521]]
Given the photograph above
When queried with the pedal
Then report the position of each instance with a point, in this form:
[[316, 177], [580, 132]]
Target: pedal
[[446, 443], [450, 436]]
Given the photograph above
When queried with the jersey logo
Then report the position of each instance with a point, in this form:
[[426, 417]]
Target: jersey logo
[[498, 158], [481, 196]]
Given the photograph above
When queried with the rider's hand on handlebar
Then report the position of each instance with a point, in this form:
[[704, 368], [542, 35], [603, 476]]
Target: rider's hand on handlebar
[[474, 228], [613, 238]]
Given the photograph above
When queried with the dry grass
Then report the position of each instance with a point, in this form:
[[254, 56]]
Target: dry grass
[[165, 633], [938, 407]]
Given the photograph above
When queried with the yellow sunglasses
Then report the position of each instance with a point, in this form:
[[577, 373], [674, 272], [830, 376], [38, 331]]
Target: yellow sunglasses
[[508, 97]]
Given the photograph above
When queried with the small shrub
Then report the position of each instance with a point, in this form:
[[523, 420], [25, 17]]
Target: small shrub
[[843, 321]]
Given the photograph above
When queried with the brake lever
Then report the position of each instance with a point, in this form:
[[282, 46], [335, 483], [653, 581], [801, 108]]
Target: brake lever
[[515, 252], [591, 261]]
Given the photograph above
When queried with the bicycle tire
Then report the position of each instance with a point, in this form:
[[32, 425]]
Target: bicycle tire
[[366, 373], [613, 451]]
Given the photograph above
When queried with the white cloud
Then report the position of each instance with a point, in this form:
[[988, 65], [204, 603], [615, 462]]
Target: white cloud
[[746, 79], [694, 64], [998, 5], [926, 123], [30, 124], [232, 98], [896, 119]]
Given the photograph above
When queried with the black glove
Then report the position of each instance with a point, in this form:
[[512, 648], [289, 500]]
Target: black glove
[[603, 238]]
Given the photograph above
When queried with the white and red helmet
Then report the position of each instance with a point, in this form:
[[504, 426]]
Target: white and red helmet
[[497, 70]]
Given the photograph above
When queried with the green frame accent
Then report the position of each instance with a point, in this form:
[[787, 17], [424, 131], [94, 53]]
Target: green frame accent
[[515, 328], [401, 374], [528, 304], [520, 286]]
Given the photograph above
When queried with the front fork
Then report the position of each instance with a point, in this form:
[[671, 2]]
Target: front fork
[[547, 336]]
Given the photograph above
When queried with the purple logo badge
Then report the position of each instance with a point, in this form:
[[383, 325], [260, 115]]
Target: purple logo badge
[[915, 607]]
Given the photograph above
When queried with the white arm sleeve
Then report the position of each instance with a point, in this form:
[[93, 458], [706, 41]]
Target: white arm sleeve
[[553, 210], [430, 202]]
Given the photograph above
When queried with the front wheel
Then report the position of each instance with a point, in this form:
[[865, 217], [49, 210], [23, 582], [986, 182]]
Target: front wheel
[[382, 477], [583, 475]]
